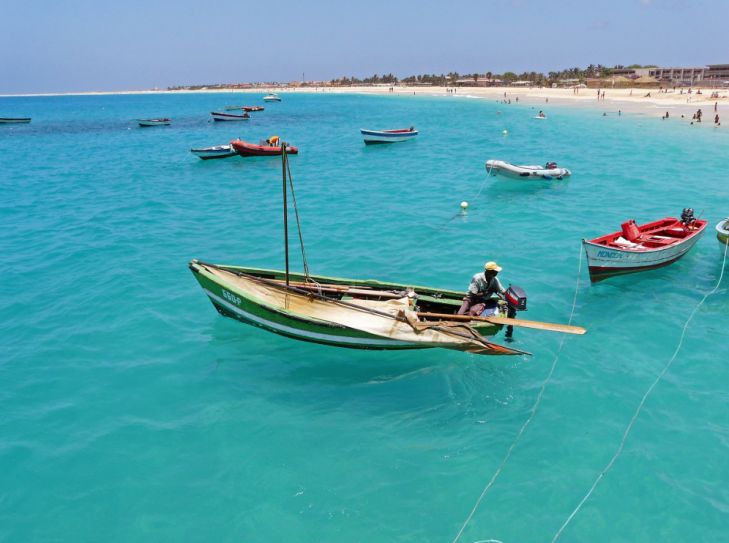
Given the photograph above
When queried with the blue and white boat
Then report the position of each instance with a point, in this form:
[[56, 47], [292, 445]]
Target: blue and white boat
[[219, 116], [14, 120], [218, 151], [388, 136], [163, 121]]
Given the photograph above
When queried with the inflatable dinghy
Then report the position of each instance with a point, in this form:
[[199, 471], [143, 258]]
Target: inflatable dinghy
[[548, 171]]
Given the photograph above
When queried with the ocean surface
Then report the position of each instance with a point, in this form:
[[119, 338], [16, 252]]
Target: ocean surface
[[131, 411]]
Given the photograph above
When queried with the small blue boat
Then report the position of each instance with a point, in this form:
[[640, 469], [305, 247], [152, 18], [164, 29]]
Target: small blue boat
[[388, 136]]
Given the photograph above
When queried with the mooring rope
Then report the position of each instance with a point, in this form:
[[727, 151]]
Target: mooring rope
[[628, 428], [533, 413], [463, 212]]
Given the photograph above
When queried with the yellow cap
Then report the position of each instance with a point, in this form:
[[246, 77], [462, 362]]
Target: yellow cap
[[492, 266]]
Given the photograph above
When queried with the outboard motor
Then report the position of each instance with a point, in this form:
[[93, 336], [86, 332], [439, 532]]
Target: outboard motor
[[516, 300], [687, 216]]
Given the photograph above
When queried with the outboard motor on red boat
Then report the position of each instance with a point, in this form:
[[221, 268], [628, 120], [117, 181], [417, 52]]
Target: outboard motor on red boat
[[687, 216], [516, 300]]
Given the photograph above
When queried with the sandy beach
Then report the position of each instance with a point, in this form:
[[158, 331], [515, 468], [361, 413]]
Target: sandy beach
[[635, 101]]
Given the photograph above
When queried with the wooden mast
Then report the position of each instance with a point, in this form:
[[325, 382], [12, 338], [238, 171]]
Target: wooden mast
[[284, 158]]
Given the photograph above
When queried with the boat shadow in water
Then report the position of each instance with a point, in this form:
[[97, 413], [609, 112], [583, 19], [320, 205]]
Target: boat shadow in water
[[319, 379]]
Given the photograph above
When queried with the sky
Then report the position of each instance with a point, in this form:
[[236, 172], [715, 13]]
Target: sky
[[90, 45]]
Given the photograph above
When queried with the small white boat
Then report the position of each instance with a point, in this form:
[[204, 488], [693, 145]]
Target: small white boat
[[548, 171], [722, 231], [14, 120], [388, 136], [154, 122], [218, 151], [218, 116], [272, 97]]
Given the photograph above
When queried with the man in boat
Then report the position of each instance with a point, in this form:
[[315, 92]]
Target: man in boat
[[484, 287]]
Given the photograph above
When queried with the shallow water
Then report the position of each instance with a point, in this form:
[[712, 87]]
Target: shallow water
[[133, 411]]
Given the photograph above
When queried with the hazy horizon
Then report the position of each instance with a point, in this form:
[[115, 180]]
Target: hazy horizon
[[83, 46]]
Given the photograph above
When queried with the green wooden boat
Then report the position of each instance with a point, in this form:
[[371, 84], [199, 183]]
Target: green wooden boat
[[361, 314]]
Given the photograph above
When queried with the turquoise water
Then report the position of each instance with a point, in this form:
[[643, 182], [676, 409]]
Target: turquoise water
[[131, 411]]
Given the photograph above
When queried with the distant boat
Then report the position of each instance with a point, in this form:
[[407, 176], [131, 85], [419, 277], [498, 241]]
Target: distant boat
[[243, 148], [722, 231], [253, 108], [548, 171], [637, 248], [388, 136], [272, 97], [154, 122], [219, 151], [218, 116], [14, 120]]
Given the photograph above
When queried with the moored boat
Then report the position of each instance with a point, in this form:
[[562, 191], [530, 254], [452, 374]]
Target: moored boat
[[162, 121], [388, 136], [363, 314], [549, 171], [637, 248], [244, 148], [722, 231], [14, 120], [219, 116], [218, 151], [272, 97]]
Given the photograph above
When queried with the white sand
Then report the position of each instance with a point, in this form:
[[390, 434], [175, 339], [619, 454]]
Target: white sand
[[630, 101]]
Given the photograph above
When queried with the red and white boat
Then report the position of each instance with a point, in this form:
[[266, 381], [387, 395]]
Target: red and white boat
[[219, 116], [243, 148], [643, 247]]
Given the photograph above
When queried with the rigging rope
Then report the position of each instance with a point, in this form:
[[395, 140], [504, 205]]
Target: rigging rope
[[534, 409], [296, 213], [628, 428]]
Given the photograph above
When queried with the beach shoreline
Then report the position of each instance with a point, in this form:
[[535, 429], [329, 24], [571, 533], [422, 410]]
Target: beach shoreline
[[649, 102]]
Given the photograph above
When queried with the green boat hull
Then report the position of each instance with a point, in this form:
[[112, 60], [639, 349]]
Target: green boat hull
[[231, 302]]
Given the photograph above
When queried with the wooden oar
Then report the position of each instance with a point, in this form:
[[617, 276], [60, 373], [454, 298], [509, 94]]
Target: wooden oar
[[566, 328]]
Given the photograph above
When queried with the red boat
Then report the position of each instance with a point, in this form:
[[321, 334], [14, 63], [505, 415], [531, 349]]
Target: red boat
[[243, 148], [643, 247], [253, 108]]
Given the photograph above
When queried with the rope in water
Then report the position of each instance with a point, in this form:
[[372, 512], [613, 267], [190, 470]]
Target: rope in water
[[628, 428], [463, 211], [533, 413]]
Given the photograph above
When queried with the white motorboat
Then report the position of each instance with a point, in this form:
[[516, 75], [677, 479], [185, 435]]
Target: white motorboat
[[548, 171]]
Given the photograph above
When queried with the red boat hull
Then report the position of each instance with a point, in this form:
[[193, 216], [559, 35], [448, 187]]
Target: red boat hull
[[244, 148]]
